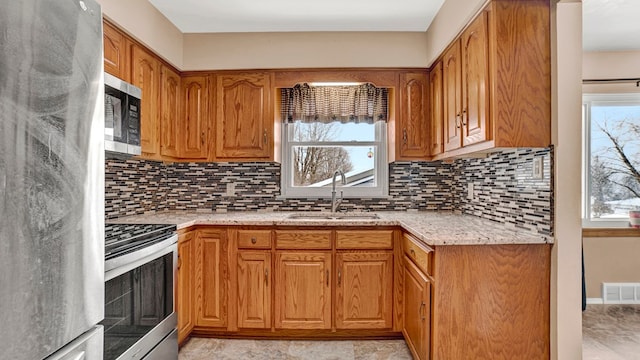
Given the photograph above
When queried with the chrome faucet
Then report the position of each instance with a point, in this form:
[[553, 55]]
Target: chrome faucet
[[335, 203]]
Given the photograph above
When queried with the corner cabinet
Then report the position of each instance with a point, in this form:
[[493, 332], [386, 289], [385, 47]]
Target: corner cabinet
[[193, 131], [496, 81], [412, 129], [170, 114], [185, 299], [436, 110], [244, 116]]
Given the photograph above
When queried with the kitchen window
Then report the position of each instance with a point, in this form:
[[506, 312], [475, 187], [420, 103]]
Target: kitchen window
[[331, 128], [611, 159]]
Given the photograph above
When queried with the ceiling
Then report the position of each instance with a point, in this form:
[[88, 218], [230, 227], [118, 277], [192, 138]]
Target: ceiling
[[608, 25], [203, 16]]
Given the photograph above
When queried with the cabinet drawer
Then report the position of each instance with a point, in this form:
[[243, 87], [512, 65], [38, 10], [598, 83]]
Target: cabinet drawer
[[421, 255], [364, 239], [303, 239], [254, 239]]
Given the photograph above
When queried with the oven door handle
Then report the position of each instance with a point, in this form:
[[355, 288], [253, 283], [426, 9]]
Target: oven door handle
[[122, 264]]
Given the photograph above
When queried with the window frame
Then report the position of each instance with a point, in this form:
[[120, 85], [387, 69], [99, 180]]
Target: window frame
[[381, 169], [588, 100]]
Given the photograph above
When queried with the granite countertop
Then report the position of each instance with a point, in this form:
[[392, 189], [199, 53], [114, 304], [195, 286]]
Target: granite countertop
[[433, 228]]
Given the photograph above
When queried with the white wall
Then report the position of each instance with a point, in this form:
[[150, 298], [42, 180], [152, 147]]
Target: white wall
[[566, 292], [304, 50], [611, 65], [146, 24]]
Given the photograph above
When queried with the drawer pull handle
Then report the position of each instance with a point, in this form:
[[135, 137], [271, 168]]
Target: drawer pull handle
[[254, 240], [413, 252], [422, 307]]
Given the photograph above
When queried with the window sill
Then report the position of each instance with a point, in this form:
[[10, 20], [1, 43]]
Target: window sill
[[610, 232]]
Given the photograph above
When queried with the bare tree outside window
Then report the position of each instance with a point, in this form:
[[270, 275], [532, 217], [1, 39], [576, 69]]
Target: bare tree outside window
[[615, 165], [312, 164]]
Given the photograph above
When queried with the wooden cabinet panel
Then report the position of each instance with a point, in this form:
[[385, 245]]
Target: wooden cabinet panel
[[145, 74], [303, 239], [169, 112], [244, 116], [185, 299], [412, 129], [452, 96], [417, 312], [192, 132], [475, 82], [364, 239], [254, 239], [364, 289], [436, 120], [115, 52], [254, 289], [211, 278], [303, 290]]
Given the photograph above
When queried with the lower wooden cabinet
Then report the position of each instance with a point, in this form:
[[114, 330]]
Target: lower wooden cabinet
[[303, 290], [211, 277], [364, 290], [185, 300], [254, 289], [416, 310]]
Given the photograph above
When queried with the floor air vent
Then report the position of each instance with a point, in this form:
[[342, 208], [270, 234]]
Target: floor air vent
[[621, 293]]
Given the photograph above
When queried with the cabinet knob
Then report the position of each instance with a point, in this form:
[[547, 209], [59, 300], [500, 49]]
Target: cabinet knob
[[254, 240], [413, 252]]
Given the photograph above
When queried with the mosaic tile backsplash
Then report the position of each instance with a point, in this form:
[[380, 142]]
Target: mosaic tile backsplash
[[504, 189]]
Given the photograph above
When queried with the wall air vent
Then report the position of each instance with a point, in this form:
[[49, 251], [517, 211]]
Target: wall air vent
[[621, 293]]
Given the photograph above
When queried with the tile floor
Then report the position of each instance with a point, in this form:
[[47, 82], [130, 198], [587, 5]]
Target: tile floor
[[226, 349], [611, 332]]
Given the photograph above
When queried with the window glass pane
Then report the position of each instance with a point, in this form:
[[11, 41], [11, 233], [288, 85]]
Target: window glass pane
[[314, 166], [615, 155], [334, 131]]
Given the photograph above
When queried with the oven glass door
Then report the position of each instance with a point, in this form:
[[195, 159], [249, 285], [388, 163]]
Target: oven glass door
[[136, 302]]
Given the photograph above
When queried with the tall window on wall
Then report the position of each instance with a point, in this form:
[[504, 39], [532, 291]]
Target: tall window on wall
[[334, 127], [612, 158]]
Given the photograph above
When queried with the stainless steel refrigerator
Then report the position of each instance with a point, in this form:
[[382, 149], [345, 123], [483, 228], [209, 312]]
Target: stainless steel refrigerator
[[51, 179]]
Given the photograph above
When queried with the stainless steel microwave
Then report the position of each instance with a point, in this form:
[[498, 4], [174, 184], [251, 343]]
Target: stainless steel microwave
[[121, 117]]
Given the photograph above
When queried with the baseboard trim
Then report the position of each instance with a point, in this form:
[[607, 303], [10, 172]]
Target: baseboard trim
[[595, 301]]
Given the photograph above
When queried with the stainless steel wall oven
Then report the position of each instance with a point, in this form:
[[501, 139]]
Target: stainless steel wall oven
[[140, 271]]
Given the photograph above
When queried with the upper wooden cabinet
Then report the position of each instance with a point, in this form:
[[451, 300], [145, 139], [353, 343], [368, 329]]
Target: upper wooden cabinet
[[412, 129], [497, 80], [436, 110], [115, 52], [170, 114], [145, 74], [194, 127], [244, 116]]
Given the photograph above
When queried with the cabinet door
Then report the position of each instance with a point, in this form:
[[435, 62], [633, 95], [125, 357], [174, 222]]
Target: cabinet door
[[452, 102], [195, 119], [185, 292], [417, 310], [145, 74], [169, 112], [413, 131], [303, 290], [115, 52], [211, 278], [364, 289], [254, 289], [475, 67], [436, 118], [243, 115]]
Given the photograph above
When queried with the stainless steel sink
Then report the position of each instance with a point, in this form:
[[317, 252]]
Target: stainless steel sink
[[334, 216]]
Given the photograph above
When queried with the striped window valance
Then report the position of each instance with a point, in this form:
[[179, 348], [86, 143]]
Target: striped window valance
[[354, 103]]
